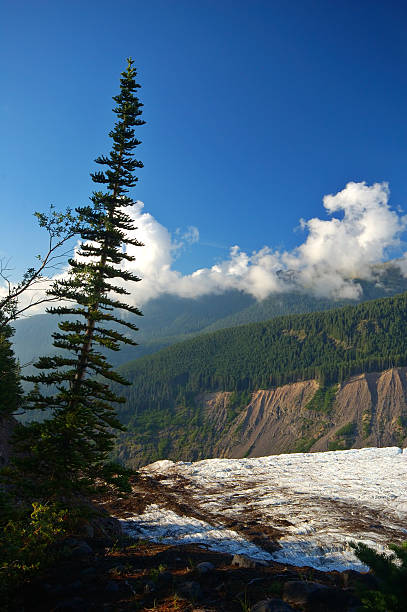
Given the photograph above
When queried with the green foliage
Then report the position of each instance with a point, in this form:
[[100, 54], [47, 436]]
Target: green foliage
[[335, 445], [344, 437], [28, 541], [323, 399], [367, 422], [391, 574], [304, 445], [349, 429], [238, 400], [334, 346], [10, 389], [67, 452]]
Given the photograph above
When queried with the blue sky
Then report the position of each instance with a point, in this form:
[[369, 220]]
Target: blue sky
[[255, 110]]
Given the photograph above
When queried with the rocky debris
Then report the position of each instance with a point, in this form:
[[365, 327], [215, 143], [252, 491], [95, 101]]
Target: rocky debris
[[150, 587], [300, 592], [205, 567], [165, 578], [190, 589], [88, 573], [367, 580], [143, 575], [87, 531], [246, 562], [107, 526], [78, 548], [271, 605], [112, 587], [316, 597], [74, 604]]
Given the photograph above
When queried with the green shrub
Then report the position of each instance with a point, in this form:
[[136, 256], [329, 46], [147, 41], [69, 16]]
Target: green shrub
[[304, 444], [390, 571], [28, 541], [323, 399], [349, 429], [238, 400]]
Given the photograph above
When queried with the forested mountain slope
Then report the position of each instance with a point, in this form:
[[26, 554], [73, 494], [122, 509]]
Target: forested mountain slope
[[328, 347], [169, 319]]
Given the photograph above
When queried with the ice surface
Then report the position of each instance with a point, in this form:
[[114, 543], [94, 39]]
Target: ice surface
[[162, 525], [317, 502]]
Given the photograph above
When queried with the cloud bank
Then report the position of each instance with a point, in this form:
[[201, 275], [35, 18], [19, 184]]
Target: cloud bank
[[361, 231]]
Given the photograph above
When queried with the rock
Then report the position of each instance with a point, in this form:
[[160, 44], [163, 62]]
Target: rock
[[112, 587], [247, 562], [128, 588], [271, 605], [316, 597], [330, 599], [118, 570], [74, 604], [352, 578], [71, 542], [165, 578], [205, 567], [299, 592], [56, 589], [81, 549], [75, 586], [88, 572], [107, 526], [149, 587], [190, 589], [87, 530]]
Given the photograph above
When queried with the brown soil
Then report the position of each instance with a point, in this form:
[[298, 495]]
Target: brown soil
[[123, 574], [150, 577]]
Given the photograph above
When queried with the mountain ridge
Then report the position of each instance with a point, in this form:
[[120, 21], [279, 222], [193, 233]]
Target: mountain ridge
[[170, 319], [167, 416]]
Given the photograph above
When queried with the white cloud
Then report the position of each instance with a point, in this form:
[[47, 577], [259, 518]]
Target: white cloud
[[340, 249], [334, 252]]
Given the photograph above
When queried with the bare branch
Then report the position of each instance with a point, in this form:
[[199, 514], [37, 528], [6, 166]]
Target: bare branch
[[61, 227]]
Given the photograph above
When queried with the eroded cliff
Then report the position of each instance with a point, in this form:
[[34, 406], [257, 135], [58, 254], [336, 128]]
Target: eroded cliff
[[367, 410]]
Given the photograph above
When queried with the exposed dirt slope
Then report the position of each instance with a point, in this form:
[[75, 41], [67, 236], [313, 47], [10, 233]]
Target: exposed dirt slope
[[367, 410]]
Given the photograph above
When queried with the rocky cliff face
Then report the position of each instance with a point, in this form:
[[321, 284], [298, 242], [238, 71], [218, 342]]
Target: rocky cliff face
[[366, 410]]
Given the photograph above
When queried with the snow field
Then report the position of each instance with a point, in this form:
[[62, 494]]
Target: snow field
[[318, 502]]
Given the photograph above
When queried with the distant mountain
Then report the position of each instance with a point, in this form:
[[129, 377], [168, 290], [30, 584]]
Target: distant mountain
[[167, 413], [171, 319]]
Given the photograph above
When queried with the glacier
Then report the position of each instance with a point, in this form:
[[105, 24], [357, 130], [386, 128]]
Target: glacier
[[315, 503]]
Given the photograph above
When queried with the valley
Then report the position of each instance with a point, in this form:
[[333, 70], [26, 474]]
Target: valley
[[319, 381]]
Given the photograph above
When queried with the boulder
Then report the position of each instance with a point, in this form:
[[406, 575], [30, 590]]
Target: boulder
[[74, 604], [112, 587], [107, 526], [316, 597], [247, 562], [81, 549], [190, 590], [205, 567], [271, 605]]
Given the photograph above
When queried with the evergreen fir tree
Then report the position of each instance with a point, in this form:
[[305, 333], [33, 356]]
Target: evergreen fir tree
[[69, 450], [390, 571], [10, 388]]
